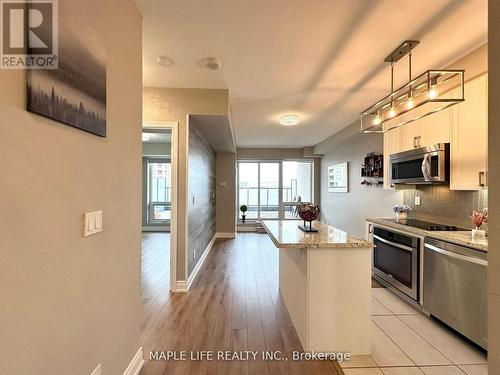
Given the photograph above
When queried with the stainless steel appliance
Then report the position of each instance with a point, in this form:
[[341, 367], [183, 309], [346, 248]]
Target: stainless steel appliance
[[424, 165], [426, 225], [455, 287], [396, 260]]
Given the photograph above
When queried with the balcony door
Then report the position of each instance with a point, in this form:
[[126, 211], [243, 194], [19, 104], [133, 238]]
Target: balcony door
[[273, 189]]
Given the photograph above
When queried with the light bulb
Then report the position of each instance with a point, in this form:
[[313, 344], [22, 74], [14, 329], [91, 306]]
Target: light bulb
[[377, 119], [433, 93], [392, 112], [410, 103]]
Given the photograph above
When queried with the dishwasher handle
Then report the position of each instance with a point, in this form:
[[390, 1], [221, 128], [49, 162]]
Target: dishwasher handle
[[457, 256]]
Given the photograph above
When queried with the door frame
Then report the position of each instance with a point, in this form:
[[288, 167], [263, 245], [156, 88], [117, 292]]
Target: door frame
[[173, 127]]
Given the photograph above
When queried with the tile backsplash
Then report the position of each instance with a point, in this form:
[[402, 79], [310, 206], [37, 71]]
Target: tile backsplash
[[441, 205]]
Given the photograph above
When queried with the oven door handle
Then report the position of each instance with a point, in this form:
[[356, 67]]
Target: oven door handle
[[407, 248], [457, 256]]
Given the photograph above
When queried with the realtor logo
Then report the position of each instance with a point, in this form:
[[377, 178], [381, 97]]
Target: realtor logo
[[29, 37]]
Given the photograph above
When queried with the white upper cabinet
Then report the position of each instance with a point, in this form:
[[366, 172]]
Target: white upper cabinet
[[464, 126], [469, 142]]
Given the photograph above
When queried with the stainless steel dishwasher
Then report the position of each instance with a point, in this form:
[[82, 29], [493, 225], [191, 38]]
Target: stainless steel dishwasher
[[455, 280]]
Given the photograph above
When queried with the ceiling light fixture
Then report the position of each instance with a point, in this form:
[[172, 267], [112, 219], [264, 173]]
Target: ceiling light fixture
[[289, 120], [418, 98], [212, 63], [164, 61]]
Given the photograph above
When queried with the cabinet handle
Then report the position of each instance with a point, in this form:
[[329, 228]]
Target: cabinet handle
[[370, 227], [415, 145], [481, 175]]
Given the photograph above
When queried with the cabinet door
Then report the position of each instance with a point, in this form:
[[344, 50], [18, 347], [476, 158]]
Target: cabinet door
[[408, 135], [436, 128], [391, 146], [469, 146]]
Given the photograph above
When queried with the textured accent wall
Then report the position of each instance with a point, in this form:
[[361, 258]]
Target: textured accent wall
[[444, 206], [201, 187]]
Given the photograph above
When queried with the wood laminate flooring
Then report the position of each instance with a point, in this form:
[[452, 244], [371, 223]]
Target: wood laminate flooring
[[234, 305]]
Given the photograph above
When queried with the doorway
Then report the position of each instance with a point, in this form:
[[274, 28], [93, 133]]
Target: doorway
[[159, 210]]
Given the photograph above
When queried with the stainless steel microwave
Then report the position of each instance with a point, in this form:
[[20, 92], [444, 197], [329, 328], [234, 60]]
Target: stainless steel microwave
[[424, 165]]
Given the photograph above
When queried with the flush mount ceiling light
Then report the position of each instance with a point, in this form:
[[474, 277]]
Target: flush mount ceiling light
[[430, 92], [164, 61], [212, 63], [289, 120]]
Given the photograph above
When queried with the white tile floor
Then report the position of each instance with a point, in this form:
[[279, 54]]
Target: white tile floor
[[407, 342]]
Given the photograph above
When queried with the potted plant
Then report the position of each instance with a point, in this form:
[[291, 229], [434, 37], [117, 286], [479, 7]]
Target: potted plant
[[243, 209], [478, 218], [401, 211]]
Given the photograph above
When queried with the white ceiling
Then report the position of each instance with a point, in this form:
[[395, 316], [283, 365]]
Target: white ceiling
[[321, 59]]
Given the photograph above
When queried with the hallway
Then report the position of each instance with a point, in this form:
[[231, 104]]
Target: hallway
[[233, 305]]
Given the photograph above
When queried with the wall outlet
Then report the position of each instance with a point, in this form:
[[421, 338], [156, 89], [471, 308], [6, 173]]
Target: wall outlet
[[417, 201], [97, 370], [194, 199]]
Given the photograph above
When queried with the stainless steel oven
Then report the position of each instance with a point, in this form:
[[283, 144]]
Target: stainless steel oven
[[396, 260], [424, 165]]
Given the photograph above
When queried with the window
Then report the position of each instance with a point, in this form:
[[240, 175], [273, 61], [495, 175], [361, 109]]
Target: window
[[273, 189], [159, 190]]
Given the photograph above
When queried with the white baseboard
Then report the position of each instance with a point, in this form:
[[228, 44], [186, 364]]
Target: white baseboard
[[180, 287], [247, 228], [183, 286], [97, 371], [225, 235], [198, 266], [135, 366]]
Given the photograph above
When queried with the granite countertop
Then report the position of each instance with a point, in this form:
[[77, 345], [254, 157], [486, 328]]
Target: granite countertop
[[463, 238], [286, 234]]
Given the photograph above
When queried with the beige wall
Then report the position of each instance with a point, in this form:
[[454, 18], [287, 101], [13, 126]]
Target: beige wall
[[69, 303], [494, 194], [226, 195], [165, 104], [347, 211]]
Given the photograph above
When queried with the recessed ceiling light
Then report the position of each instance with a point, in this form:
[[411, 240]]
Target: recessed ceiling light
[[289, 120], [146, 138], [164, 61], [212, 63]]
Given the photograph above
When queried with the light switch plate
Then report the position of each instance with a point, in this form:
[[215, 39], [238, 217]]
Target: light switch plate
[[417, 201], [92, 223]]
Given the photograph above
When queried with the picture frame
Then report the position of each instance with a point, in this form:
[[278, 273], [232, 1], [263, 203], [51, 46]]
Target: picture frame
[[338, 178]]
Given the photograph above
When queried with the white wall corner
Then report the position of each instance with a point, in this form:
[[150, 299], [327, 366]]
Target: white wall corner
[[135, 366]]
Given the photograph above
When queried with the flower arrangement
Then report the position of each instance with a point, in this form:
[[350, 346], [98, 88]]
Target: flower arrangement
[[401, 208], [478, 218]]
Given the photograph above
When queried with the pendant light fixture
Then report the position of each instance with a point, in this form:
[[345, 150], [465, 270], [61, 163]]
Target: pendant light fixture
[[430, 92]]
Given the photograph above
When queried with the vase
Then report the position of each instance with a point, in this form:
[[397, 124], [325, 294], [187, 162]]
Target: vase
[[478, 234], [401, 216]]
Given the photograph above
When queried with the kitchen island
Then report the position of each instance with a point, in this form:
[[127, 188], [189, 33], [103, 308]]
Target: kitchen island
[[325, 283]]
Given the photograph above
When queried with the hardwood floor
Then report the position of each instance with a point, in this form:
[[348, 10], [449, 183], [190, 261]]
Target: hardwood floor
[[233, 305]]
